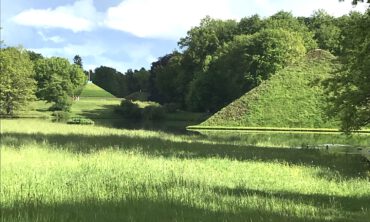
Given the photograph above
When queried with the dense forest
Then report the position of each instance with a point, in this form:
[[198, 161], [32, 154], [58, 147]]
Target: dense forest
[[217, 62]]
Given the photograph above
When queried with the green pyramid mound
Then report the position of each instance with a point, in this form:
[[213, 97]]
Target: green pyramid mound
[[291, 98], [92, 90]]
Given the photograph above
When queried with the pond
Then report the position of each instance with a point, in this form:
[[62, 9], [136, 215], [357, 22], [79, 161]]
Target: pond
[[174, 127], [267, 139]]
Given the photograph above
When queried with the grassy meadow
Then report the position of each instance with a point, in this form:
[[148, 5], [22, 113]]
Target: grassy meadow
[[58, 172]]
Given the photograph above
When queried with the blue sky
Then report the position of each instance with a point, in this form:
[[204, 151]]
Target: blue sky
[[127, 34]]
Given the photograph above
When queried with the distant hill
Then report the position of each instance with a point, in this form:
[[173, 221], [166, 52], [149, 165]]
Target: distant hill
[[92, 90], [292, 97]]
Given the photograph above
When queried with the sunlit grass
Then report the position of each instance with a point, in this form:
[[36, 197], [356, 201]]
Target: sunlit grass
[[58, 172]]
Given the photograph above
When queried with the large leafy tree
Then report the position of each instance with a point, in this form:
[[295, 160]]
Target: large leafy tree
[[349, 88], [243, 64], [17, 86], [327, 33], [58, 81], [111, 80], [204, 40], [286, 20]]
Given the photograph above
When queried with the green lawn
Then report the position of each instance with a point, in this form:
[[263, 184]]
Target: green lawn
[[58, 172]]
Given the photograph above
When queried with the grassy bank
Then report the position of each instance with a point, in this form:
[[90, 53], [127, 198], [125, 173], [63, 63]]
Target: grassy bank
[[273, 129], [58, 172]]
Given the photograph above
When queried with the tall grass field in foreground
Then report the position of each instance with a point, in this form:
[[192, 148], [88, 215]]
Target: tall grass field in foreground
[[58, 172]]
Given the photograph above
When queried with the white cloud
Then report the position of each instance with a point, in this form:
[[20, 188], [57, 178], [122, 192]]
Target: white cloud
[[170, 19], [95, 54], [55, 39], [306, 8], [81, 16], [164, 18]]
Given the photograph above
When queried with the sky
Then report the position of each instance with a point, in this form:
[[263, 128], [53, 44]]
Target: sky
[[126, 34]]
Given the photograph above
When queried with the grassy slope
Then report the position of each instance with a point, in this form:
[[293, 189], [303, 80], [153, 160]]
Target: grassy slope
[[89, 173], [92, 90], [291, 98]]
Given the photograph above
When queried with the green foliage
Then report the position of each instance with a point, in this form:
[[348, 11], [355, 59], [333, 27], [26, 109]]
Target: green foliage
[[61, 116], [80, 121], [129, 110], [61, 102], [286, 21], [58, 81], [327, 33], [349, 87], [204, 40], [243, 64], [138, 96], [77, 60], [140, 110], [153, 113], [293, 97], [17, 86], [121, 85]]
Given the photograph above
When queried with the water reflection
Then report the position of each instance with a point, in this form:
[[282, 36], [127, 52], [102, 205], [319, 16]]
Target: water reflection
[[174, 127]]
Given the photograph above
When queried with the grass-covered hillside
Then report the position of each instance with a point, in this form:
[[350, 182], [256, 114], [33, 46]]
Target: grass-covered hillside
[[293, 97], [92, 90]]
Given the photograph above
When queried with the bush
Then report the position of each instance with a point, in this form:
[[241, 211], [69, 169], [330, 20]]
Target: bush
[[60, 116], [63, 103], [153, 113], [171, 107], [80, 121], [129, 110]]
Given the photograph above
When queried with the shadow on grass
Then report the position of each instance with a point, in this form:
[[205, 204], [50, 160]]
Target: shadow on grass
[[345, 203], [143, 209], [103, 112], [349, 166]]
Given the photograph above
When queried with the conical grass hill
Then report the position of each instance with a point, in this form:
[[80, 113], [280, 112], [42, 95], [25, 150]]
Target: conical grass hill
[[292, 98], [92, 90]]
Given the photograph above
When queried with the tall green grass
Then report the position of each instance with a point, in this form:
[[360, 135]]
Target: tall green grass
[[58, 172]]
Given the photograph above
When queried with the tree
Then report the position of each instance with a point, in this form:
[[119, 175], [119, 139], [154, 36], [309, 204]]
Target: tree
[[327, 33], [355, 2], [34, 56], [349, 89], [111, 80], [58, 81], [250, 25], [286, 21], [78, 61], [17, 86], [241, 65]]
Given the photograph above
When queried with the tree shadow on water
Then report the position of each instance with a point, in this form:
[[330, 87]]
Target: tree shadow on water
[[155, 146]]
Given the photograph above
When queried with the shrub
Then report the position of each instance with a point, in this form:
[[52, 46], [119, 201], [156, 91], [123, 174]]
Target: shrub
[[60, 116], [63, 103], [80, 121], [153, 113], [171, 107], [128, 109]]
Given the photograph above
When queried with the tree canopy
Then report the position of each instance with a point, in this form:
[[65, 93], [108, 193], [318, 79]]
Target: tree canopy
[[17, 86], [58, 81]]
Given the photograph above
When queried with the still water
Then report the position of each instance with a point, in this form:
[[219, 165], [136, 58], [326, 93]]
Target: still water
[[271, 139]]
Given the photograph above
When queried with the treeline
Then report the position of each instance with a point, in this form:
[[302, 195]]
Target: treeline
[[221, 60], [26, 76]]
